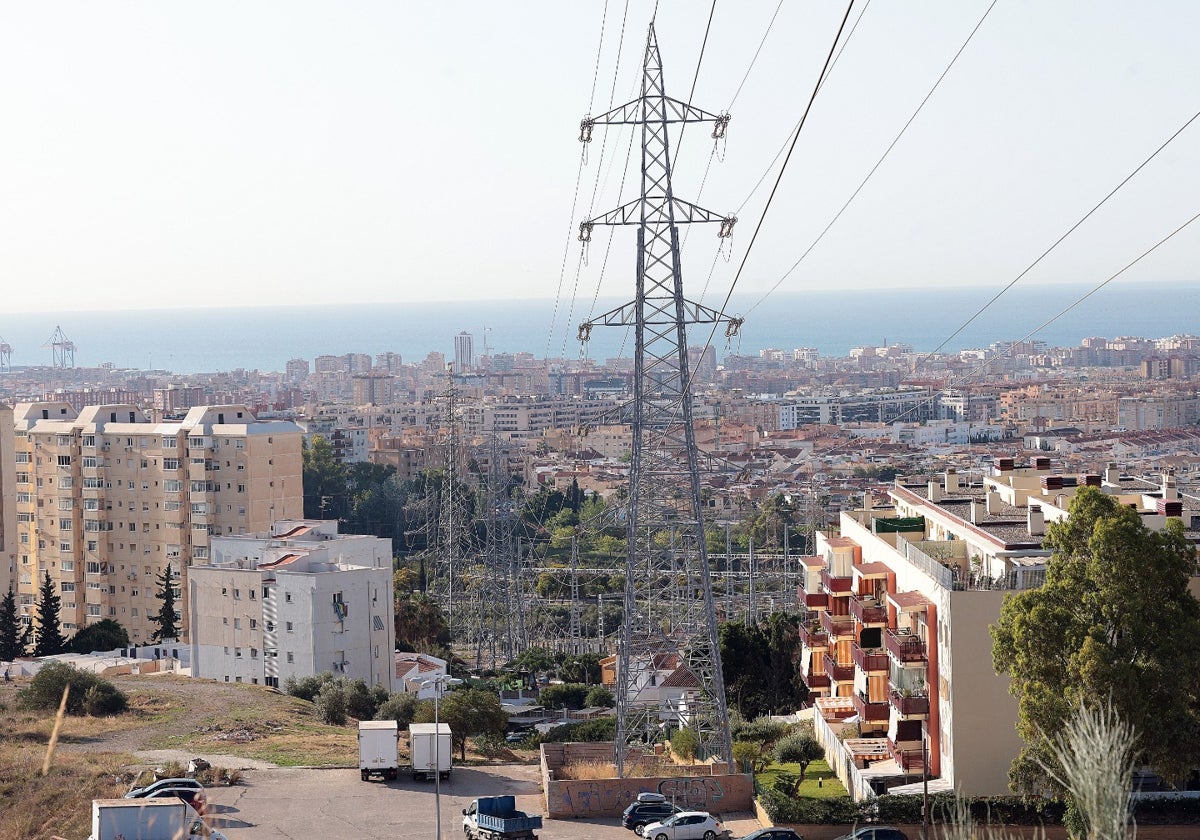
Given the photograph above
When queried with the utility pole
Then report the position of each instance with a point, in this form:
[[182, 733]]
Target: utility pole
[[664, 621]]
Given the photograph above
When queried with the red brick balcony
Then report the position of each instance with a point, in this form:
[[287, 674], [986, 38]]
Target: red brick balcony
[[905, 646], [911, 760], [837, 625], [813, 637], [912, 705], [819, 601], [868, 610], [869, 660], [868, 711], [838, 672], [835, 585]]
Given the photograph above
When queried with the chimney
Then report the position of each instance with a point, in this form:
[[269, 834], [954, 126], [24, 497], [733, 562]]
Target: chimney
[[978, 510], [1004, 465], [1168, 507], [1037, 521], [1112, 474], [993, 501], [1092, 480], [951, 480], [935, 492], [1170, 491], [1041, 463], [1052, 482]]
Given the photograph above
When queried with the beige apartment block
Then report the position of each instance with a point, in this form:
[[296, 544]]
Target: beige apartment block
[[106, 498], [8, 503]]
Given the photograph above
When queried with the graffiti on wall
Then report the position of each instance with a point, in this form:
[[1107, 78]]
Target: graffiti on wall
[[609, 797]]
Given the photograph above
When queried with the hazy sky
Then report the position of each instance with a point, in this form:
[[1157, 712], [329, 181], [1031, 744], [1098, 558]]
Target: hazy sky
[[230, 153]]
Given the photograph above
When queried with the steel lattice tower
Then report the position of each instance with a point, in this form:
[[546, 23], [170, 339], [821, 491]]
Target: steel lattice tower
[[669, 611]]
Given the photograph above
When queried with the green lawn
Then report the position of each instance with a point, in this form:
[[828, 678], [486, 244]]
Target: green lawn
[[819, 781]]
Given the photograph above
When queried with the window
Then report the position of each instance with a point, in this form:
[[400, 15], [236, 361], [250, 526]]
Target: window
[[200, 508], [22, 457], [68, 586], [93, 609], [253, 624], [25, 498], [254, 653], [66, 482], [89, 462], [237, 594], [64, 460], [172, 485], [64, 546], [287, 596], [68, 565], [22, 478], [291, 657], [170, 463], [237, 624], [66, 503], [290, 628], [66, 524], [89, 441], [92, 484], [237, 651]]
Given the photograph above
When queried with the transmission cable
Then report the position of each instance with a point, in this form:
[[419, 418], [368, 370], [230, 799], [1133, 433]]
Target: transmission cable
[[1058, 241], [879, 162]]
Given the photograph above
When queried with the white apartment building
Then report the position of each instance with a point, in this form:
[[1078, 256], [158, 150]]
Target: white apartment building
[[296, 601], [106, 498]]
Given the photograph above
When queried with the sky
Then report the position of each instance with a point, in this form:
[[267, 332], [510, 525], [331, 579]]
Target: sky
[[159, 155]]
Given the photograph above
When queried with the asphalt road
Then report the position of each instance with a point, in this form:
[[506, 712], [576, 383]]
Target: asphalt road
[[335, 804]]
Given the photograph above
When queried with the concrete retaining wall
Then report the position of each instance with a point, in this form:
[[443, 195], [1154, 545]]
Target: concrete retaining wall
[[610, 797]]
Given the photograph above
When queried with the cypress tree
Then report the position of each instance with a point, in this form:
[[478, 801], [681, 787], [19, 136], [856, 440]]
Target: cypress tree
[[10, 629], [167, 620], [48, 639]]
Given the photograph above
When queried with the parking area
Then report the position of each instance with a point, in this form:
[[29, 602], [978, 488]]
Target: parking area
[[296, 803]]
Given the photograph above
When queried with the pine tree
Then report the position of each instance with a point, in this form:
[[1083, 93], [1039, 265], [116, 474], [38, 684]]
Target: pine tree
[[10, 629], [48, 639], [167, 620]]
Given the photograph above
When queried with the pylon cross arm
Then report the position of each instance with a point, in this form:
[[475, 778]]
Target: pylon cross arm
[[643, 109], [657, 211]]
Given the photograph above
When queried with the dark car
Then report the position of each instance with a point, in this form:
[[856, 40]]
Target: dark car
[[875, 832], [147, 790], [640, 814], [191, 796], [773, 834]]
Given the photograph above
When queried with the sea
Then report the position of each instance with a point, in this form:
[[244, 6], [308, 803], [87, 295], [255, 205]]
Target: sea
[[265, 338]]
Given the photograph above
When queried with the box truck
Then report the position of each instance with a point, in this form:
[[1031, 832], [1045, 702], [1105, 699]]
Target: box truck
[[148, 819], [432, 750], [377, 749]]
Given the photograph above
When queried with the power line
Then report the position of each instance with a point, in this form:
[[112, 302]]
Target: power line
[[879, 162], [1058, 241], [753, 60]]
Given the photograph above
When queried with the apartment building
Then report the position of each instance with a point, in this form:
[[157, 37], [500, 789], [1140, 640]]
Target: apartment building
[[899, 604], [105, 499], [882, 406], [8, 502], [295, 601]]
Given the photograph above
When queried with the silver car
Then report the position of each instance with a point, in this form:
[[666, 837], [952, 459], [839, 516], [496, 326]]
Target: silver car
[[686, 825]]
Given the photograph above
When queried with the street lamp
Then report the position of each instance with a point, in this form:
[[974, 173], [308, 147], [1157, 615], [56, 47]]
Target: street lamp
[[439, 684]]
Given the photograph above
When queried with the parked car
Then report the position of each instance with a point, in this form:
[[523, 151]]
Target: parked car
[[875, 832], [192, 796], [773, 834], [640, 814], [686, 825], [146, 790]]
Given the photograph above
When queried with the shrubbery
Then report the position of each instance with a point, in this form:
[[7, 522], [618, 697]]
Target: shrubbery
[[337, 698], [598, 729], [90, 694], [399, 707]]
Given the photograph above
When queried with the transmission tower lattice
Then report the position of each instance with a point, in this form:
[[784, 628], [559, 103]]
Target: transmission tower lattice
[[669, 611], [5, 355]]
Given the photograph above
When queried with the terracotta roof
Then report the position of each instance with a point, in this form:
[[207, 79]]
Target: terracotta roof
[[282, 561], [871, 570], [299, 530], [681, 677], [909, 601]]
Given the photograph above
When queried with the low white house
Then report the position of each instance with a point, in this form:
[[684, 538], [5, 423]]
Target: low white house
[[414, 670]]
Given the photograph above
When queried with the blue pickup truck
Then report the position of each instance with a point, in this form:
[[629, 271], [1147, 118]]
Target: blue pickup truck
[[497, 818]]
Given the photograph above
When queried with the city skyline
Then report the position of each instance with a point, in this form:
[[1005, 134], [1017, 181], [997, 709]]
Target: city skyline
[[160, 156]]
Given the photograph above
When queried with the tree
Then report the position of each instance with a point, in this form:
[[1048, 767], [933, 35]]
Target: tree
[[167, 621], [802, 749], [600, 698], [570, 695], [470, 713], [325, 488], [400, 707], [105, 634], [48, 639], [10, 630], [1114, 621], [90, 693], [685, 743], [420, 624], [760, 665]]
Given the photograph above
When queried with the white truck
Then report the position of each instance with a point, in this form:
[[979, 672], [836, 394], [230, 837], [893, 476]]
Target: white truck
[[432, 750], [148, 819], [377, 749]]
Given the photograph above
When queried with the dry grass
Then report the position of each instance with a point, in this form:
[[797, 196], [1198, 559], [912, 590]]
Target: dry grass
[[33, 807], [645, 767], [579, 770]]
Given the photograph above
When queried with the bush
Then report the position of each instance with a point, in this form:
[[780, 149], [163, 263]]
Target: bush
[[306, 688], [600, 729], [399, 707], [571, 695], [763, 731], [45, 691], [749, 756], [785, 809], [685, 743], [491, 746], [599, 697], [331, 704]]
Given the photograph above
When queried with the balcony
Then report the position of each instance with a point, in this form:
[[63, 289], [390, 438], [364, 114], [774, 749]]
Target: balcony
[[819, 601], [869, 661], [836, 585], [911, 759], [911, 705], [838, 672], [905, 646], [837, 625], [868, 611], [813, 636], [817, 682], [870, 712]]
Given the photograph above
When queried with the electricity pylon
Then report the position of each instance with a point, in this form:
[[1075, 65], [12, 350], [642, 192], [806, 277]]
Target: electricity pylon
[[669, 611]]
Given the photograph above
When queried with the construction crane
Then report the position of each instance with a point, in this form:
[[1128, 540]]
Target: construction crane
[[62, 348], [5, 355]]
